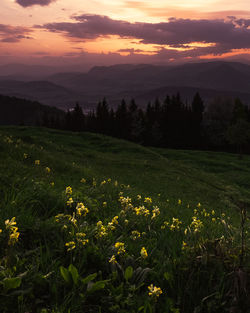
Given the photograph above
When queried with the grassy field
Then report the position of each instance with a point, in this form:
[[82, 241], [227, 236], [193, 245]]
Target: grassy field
[[104, 225]]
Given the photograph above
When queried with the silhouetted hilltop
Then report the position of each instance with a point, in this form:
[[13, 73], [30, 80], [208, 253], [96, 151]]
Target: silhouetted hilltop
[[16, 111]]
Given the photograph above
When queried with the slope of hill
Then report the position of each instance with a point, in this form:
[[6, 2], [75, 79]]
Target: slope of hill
[[93, 155], [16, 111], [42, 91], [94, 224]]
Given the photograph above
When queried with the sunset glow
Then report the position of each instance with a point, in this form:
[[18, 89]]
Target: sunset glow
[[158, 31]]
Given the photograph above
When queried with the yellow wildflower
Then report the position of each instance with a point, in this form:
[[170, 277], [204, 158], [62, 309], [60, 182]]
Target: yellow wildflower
[[101, 230], [196, 224], [37, 162], [144, 253], [115, 220], [25, 155], [83, 180], [13, 237], [68, 190], [70, 201], [184, 245], [80, 238], [81, 209], [142, 211], [135, 234], [165, 224], [175, 224], [13, 230], [71, 245], [156, 212], [10, 223], [120, 247], [179, 201], [52, 184], [112, 260], [73, 219], [154, 291], [47, 169], [148, 200]]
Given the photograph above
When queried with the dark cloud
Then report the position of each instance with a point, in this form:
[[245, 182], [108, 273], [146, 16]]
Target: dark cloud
[[244, 23], [10, 33], [224, 34], [131, 50], [28, 3]]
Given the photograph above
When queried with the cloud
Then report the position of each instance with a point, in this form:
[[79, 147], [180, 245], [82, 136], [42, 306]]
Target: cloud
[[28, 3], [225, 35], [14, 34], [173, 10], [131, 50]]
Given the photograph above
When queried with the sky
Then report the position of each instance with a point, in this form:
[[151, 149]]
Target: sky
[[104, 32]]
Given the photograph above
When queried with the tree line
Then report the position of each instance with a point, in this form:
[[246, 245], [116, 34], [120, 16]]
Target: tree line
[[223, 125]]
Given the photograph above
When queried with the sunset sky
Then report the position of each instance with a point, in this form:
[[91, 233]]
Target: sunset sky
[[119, 31]]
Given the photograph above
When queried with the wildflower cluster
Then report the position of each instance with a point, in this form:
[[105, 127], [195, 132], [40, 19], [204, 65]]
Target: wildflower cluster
[[112, 225], [120, 247], [101, 230], [10, 225], [112, 260], [175, 224], [81, 209], [135, 234], [196, 224], [154, 291], [156, 212], [141, 211], [144, 253]]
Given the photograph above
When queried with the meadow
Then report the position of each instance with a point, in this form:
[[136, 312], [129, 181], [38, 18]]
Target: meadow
[[89, 223]]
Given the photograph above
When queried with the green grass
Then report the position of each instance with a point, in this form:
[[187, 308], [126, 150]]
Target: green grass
[[196, 278]]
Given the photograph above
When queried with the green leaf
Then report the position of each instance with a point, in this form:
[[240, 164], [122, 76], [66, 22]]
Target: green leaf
[[128, 273], [65, 274], [11, 283], [74, 273], [87, 279], [148, 308], [97, 286]]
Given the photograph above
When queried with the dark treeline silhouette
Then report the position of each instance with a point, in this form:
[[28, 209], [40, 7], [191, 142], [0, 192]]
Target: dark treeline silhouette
[[224, 125], [18, 111]]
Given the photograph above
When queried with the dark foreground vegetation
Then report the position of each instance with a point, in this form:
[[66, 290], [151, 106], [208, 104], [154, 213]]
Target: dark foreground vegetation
[[89, 223]]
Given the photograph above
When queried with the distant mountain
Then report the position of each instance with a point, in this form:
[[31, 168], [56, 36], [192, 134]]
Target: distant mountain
[[42, 91], [17, 111], [128, 81], [187, 94], [117, 81]]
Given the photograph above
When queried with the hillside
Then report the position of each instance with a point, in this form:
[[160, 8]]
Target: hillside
[[92, 223], [17, 111], [42, 91], [149, 171]]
